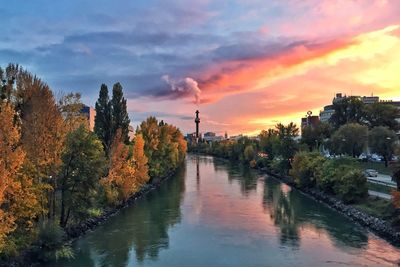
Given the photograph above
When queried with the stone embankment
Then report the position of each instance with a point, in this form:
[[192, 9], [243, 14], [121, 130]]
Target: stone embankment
[[380, 227]]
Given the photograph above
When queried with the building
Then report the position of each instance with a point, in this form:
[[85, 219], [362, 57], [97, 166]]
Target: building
[[90, 114], [328, 110], [131, 132], [326, 114], [310, 121], [211, 137]]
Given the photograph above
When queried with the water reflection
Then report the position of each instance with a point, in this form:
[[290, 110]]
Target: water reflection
[[246, 177], [142, 227], [291, 212], [212, 214]]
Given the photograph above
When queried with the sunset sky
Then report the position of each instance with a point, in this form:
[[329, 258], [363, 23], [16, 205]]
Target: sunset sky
[[246, 65]]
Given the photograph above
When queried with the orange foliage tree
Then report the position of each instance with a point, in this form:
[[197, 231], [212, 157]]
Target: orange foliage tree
[[43, 135], [11, 160], [121, 181], [140, 161]]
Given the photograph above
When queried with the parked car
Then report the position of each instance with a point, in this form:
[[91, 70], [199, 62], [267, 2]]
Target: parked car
[[371, 173]]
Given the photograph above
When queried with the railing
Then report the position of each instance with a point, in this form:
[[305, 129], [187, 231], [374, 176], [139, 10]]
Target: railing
[[393, 185]]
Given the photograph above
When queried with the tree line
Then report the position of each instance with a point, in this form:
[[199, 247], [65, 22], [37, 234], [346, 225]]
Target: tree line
[[353, 128], [55, 172]]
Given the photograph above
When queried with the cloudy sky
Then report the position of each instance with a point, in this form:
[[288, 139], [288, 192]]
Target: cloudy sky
[[244, 64]]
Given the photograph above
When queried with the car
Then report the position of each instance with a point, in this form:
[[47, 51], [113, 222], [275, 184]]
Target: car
[[371, 173]]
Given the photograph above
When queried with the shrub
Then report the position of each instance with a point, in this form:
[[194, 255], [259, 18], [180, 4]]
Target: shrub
[[352, 186], [305, 167], [50, 242], [331, 171]]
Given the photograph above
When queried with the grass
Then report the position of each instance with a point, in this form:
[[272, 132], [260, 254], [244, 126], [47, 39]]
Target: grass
[[380, 188], [379, 166], [378, 207]]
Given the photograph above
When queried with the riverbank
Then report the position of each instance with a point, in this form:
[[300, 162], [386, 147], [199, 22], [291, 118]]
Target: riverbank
[[74, 232], [376, 225]]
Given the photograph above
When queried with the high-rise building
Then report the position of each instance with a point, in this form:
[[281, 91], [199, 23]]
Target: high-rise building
[[90, 114]]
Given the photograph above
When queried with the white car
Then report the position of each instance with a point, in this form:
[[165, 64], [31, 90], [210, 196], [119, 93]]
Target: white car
[[371, 173]]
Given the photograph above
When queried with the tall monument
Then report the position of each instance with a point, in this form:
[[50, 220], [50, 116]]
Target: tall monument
[[197, 121]]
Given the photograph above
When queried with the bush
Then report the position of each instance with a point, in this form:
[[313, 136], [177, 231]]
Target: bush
[[50, 243], [305, 167], [352, 186], [331, 171]]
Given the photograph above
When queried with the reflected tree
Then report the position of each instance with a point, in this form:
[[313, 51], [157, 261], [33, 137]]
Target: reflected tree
[[143, 227], [245, 176], [291, 211]]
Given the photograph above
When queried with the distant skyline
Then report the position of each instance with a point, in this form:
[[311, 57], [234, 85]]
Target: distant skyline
[[246, 65]]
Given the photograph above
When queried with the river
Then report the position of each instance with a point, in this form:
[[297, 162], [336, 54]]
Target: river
[[214, 213]]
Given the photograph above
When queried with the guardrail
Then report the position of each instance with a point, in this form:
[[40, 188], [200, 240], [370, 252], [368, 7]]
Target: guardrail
[[393, 185]]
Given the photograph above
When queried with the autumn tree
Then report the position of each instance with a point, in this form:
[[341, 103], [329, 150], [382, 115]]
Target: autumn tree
[[42, 136], [140, 161], [103, 120], [83, 164], [150, 131], [70, 106], [121, 181], [11, 160]]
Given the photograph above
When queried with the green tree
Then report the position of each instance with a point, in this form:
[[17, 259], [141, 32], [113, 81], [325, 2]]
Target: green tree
[[82, 167], [396, 171], [351, 186], [120, 113], [382, 141], [103, 123], [70, 106], [349, 139], [268, 142], [382, 114], [332, 170], [306, 167], [249, 153], [314, 136], [347, 110]]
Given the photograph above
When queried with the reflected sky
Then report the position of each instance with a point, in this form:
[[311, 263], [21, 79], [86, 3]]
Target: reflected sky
[[217, 214]]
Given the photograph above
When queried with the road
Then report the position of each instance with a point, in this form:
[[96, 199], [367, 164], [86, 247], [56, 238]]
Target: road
[[379, 194], [383, 179]]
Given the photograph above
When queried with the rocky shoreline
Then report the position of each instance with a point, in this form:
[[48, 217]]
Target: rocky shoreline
[[376, 225], [75, 232]]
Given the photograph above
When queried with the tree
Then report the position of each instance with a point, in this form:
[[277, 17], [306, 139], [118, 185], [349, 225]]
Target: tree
[[347, 110], [382, 141], [70, 106], [351, 186], [120, 113], [349, 139], [396, 170], [314, 136], [382, 114], [287, 145], [249, 153], [268, 142], [103, 123], [42, 135], [150, 131], [306, 167], [11, 160], [82, 167], [121, 181], [140, 161]]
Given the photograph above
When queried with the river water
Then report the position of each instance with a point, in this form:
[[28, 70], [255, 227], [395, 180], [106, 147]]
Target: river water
[[214, 213]]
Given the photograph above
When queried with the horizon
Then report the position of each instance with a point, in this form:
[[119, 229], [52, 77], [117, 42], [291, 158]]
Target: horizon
[[245, 66]]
